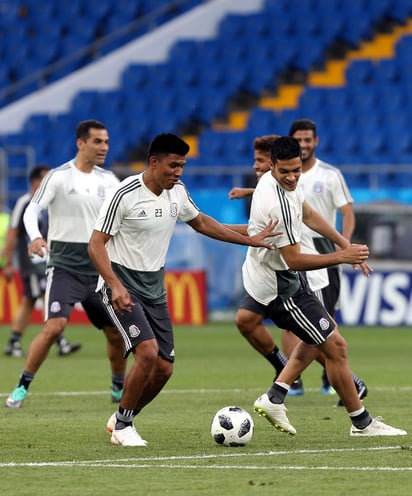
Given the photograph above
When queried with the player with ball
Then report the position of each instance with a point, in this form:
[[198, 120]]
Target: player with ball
[[277, 291]]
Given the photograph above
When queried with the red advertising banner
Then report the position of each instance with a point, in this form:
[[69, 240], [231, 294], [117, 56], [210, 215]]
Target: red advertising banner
[[186, 292]]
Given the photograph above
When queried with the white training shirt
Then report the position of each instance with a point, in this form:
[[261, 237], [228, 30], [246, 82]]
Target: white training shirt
[[141, 225], [325, 190], [73, 200], [265, 273]]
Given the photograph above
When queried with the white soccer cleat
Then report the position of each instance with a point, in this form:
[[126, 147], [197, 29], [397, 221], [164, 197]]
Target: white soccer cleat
[[127, 437], [377, 428], [274, 413], [111, 423]]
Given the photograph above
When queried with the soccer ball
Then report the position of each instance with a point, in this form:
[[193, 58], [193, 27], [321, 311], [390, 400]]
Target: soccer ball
[[232, 426]]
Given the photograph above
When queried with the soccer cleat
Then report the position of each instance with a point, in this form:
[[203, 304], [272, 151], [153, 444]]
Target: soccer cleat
[[274, 413], [66, 348], [15, 400], [111, 423], [327, 390], [116, 395], [14, 349], [296, 388], [362, 392], [127, 437], [377, 428]]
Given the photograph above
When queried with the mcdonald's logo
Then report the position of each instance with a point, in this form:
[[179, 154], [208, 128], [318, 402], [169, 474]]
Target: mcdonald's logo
[[186, 294], [9, 300]]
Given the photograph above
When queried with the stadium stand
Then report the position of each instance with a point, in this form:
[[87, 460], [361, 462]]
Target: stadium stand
[[345, 64]]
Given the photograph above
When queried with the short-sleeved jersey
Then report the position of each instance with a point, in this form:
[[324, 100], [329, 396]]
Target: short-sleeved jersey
[[141, 224], [73, 199], [265, 273], [27, 265], [325, 190], [317, 279]]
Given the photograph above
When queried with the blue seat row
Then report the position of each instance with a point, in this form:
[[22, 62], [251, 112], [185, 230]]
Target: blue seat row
[[38, 33], [202, 79]]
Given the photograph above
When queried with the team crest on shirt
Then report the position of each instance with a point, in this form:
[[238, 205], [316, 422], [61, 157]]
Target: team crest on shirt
[[318, 187], [100, 191], [173, 209], [134, 331], [55, 307], [324, 324]]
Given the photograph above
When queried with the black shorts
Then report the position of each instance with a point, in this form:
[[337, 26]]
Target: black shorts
[[302, 313], [145, 321], [65, 289], [331, 293], [34, 286]]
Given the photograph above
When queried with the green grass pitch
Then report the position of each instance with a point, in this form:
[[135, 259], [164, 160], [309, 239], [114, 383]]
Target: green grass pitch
[[56, 444]]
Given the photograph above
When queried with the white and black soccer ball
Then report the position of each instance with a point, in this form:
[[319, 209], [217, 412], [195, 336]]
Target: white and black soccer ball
[[232, 426]]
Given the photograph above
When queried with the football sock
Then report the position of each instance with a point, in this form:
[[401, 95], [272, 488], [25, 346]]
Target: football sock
[[14, 337], [360, 418], [325, 380], [277, 359], [357, 381], [278, 392], [124, 418], [25, 379], [117, 382]]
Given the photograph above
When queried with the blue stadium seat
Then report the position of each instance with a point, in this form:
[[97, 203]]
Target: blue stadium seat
[[360, 72]]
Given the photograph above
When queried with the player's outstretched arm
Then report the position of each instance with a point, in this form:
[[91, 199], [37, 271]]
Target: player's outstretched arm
[[210, 227]]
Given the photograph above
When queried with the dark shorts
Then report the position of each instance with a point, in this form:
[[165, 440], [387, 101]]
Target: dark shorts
[[34, 286], [331, 292], [145, 321], [302, 313], [65, 289]]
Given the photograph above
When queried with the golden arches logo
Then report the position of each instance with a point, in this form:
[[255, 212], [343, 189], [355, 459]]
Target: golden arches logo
[[187, 297], [9, 299]]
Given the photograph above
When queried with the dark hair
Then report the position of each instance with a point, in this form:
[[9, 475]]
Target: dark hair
[[303, 125], [264, 143], [285, 148], [166, 143], [37, 172], [83, 128]]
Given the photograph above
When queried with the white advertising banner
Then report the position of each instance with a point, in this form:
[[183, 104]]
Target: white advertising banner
[[384, 298]]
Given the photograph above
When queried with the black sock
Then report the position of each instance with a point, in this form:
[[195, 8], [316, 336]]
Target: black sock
[[14, 337], [362, 420], [277, 393], [277, 359], [325, 380], [124, 418], [117, 382], [25, 379], [358, 382]]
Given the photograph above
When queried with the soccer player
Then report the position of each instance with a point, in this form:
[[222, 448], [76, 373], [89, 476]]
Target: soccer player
[[32, 271], [129, 246], [274, 286], [73, 194], [248, 321], [326, 191]]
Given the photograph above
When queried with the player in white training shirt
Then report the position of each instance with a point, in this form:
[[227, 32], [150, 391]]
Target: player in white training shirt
[[293, 306], [325, 189], [73, 194], [128, 247]]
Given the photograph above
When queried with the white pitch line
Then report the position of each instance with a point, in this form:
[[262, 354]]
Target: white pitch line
[[152, 462], [199, 391], [214, 467]]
